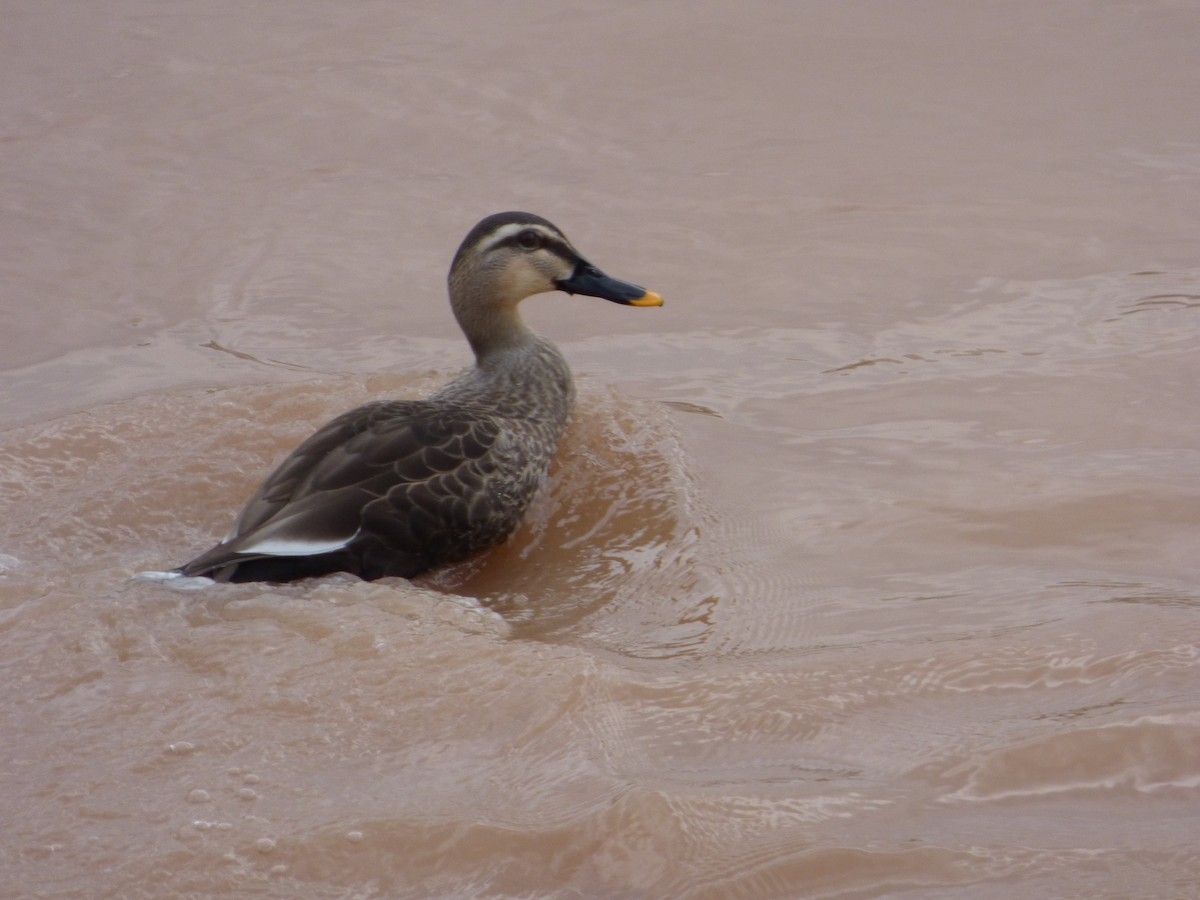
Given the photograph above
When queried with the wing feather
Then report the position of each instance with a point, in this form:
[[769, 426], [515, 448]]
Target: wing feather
[[408, 481]]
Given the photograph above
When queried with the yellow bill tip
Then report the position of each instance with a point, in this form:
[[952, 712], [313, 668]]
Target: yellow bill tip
[[647, 299]]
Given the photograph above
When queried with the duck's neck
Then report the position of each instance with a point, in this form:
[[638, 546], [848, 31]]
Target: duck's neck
[[517, 372], [527, 379], [495, 333]]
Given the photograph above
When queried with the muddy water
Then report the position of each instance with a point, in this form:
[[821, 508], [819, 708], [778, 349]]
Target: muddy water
[[868, 567]]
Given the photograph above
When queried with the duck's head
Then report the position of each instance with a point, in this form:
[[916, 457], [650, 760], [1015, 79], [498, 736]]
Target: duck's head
[[513, 255]]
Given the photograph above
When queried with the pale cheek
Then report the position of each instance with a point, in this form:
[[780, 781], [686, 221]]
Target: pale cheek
[[519, 282]]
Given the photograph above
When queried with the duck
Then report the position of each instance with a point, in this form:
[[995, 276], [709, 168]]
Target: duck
[[399, 487]]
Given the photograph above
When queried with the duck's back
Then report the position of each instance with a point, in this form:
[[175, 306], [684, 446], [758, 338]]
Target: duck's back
[[397, 487]]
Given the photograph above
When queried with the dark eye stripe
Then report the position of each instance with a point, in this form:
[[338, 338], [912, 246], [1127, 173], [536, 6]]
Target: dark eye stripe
[[555, 246]]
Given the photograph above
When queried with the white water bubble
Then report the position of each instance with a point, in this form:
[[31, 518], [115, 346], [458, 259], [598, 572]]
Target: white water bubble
[[176, 581]]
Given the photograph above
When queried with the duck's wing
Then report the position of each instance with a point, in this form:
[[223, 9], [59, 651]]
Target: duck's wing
[[399, 479]]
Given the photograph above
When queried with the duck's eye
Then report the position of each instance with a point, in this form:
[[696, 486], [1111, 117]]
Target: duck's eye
[[529, 240]]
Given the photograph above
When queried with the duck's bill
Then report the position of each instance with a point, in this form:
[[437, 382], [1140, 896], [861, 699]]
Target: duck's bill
[[588, 280]]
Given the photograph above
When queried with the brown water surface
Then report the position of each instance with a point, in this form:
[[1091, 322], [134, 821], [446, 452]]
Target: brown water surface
[[869, 566]]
